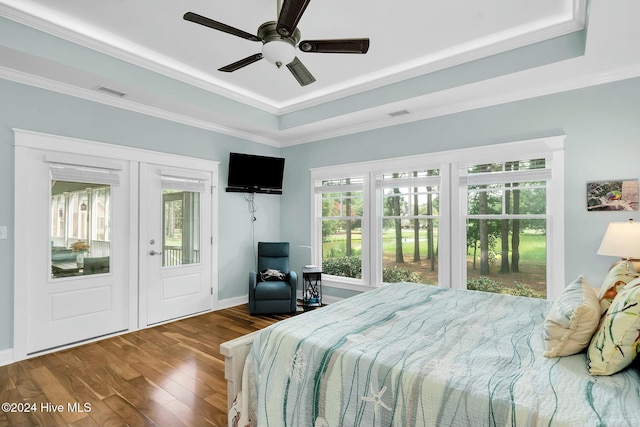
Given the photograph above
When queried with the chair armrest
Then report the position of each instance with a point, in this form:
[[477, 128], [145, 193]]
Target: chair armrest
[[253, 280], [293, 279]]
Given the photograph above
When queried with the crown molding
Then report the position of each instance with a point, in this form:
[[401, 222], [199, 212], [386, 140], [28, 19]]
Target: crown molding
[[90, 95]]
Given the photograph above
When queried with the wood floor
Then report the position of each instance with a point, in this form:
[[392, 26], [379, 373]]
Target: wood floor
[[168, 375]]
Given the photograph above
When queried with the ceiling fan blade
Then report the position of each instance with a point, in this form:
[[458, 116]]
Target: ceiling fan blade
[[242, 63], [300, 72], [335, 46], [290, 14], [202, 20]]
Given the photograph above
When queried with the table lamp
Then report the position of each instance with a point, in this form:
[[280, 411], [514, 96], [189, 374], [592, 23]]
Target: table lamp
[[622, 239], [310, 265]]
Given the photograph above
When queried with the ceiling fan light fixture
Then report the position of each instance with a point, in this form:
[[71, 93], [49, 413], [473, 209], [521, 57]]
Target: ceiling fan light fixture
[[279, 52]]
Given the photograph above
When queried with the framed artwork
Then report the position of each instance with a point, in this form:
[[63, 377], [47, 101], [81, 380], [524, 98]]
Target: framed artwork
[[621, 195]]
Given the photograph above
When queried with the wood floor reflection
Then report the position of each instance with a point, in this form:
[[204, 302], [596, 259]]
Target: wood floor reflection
[[168, 375]]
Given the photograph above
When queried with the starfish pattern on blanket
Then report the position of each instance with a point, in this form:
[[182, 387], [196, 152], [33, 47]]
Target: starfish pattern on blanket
[[376, 398], [297, 366]]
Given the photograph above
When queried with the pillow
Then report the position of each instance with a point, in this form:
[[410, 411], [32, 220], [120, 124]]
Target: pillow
[[572, 319], [272, 275], [617, 341], [618, 276]]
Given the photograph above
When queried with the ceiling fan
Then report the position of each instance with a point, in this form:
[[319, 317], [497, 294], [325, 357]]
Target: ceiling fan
[[280, 39]]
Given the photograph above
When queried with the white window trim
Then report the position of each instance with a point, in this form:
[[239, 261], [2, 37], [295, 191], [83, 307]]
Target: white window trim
[[451, 272]]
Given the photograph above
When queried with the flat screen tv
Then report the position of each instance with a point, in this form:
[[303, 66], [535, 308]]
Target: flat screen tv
[[249, 173]]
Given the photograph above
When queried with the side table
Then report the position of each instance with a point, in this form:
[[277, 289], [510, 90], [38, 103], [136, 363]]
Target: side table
[[311, 288]]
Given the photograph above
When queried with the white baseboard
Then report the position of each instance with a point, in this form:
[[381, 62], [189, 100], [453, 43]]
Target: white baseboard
[[232, 302], [6, 357], [328, 299]]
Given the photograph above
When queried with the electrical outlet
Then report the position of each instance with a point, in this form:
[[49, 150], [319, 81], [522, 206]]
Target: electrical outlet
[[3, 232]]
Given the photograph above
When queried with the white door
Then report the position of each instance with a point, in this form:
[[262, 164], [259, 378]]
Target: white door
[[78, 262], [175, 241]]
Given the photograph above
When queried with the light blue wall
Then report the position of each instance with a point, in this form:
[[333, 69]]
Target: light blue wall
[[34, 109], [602, 125]]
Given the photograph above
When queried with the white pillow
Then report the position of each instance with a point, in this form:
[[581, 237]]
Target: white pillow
[[572, 320]]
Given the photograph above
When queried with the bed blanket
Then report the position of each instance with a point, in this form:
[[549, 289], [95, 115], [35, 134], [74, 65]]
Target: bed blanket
[[418, 355]]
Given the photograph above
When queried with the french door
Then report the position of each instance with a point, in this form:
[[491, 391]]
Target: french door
[[78, 262], [175, 240], [108, 239]]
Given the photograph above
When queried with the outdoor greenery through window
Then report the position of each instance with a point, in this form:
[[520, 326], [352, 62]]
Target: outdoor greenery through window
[[409, 237], [342, 211], [487, 218], [506, 227]]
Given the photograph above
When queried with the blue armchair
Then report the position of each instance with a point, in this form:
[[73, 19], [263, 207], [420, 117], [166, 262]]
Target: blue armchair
[[272, 292]]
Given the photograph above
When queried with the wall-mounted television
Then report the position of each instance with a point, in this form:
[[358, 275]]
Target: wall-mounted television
[[250, 173]]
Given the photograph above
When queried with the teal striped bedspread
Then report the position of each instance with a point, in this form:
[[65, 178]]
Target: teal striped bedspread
[[418, 355]]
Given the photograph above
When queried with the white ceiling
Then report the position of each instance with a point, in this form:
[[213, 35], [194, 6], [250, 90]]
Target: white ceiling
[[409, 38]]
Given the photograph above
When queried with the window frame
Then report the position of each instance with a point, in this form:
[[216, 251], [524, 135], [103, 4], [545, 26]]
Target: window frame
[[451, 232]]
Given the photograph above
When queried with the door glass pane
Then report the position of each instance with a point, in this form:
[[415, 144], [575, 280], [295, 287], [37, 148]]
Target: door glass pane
[[181, 225], [79, 224]]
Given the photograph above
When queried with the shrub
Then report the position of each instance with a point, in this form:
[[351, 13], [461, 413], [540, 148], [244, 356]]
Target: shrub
[[520, 289], [487, 285], [399, 274], [346, 266], [484, 284]]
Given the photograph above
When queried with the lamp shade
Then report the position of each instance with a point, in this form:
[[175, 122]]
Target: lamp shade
[[279, 52], [622, 239]]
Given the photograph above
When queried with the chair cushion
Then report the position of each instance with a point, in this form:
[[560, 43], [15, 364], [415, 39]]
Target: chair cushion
[[272, 290]]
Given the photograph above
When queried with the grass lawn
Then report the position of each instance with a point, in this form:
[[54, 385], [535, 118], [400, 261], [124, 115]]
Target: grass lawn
[[532, 245], [532, 257]]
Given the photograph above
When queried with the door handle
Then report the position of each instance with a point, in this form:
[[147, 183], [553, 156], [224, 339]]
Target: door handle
[[152, 252]]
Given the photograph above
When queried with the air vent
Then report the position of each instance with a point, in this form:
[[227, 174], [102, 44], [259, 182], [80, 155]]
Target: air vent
[[399, 113], [110, 91]]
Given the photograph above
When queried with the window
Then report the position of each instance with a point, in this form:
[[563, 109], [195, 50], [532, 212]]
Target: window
[[409, 233], [341, 203], [506, 226], [80, 217], [80, 220], [180, 219], [181, 224], [486, 218]]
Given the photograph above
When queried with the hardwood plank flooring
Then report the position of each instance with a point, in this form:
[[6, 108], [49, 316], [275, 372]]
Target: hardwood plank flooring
[[168, 375]]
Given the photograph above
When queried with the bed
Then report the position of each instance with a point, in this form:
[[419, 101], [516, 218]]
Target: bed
[[418, 355]]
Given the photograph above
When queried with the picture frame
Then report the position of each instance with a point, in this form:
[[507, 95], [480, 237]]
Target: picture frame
[[612, 195]]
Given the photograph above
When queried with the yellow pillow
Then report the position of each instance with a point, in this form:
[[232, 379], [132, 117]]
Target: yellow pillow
[[572, 319], [618, 276], [617, 341]]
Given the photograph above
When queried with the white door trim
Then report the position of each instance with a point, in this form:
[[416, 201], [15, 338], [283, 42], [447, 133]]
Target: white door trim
[[25, 140]]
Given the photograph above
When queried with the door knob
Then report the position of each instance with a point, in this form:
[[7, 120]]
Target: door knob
[[152, 252]]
